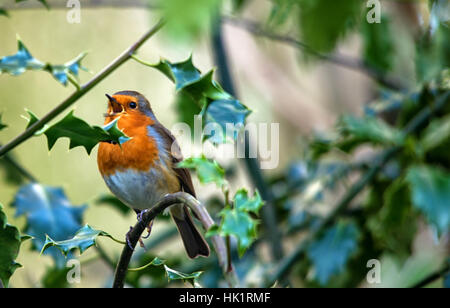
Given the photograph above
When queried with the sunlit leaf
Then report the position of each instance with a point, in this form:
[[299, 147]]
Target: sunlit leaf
[[208, 171], [331, 252], [187, 20], [48, 212], [245, 203], [80, 133], [82, 240], [10, 241], [431, 194]]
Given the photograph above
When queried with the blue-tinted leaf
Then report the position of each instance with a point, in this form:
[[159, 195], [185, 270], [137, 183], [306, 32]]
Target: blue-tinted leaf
[[48, 212], [23, 60], [330, 253], [20, 62], [431, 194], [225, 112]]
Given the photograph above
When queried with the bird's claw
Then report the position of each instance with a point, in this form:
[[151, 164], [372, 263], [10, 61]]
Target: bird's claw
[[149, 230]]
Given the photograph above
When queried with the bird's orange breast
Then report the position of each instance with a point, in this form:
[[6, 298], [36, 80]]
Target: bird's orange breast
[[139, 153]]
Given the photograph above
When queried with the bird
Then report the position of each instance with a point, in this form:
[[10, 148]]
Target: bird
[[142, 170]]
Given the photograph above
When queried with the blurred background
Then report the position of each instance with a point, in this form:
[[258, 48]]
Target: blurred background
[[278, 79]]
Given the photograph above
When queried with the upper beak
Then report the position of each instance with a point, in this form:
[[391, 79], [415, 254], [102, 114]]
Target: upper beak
[[115, 105]]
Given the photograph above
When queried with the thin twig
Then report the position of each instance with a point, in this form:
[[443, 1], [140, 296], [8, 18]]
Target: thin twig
[[29, 132], [286, 264], [341, 60], [169, 200], [22, 170], [433, 276]]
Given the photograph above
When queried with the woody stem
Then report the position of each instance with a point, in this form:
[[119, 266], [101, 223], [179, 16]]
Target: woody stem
[[29, 132], [169, 200]]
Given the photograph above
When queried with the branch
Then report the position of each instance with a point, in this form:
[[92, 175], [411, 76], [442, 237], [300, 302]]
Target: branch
[[159, 207], [29, 132], [341, 60], [420, 119], [23, 172], [252, 164]]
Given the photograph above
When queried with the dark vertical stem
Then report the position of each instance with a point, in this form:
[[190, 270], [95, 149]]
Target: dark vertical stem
[[252, 164]]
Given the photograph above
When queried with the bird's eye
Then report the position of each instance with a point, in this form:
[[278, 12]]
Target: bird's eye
[[133, 105]]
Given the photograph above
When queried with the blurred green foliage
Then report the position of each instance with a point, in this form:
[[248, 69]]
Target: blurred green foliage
[[380, 221]]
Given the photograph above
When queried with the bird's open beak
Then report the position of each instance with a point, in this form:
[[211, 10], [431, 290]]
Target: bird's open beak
[[116, 107]]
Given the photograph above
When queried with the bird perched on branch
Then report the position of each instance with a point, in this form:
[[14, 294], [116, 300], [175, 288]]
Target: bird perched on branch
[[142, 170]]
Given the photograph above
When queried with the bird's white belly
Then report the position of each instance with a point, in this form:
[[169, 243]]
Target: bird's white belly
[[138, 190]]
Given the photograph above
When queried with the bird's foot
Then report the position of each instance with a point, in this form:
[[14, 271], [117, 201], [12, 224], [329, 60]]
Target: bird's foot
[[140, 214], [149, 230]]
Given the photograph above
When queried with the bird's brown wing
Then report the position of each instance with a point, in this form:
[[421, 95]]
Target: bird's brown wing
[[174, 149]]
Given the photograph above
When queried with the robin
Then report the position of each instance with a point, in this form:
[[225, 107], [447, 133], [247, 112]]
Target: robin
[[142, 170]]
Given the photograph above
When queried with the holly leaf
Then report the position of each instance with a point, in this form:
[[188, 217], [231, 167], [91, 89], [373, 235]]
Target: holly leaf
[[368, 129], [82, 240], [394, 226], [202, 94], [171, 274], [10, 242], [80, 133], [437, 133], [240, 225], [330, 253], [431, 194], [208, 171], [181, 73], [229, 114], [22, 61], [243, 203], [176, 275], [48, 212]]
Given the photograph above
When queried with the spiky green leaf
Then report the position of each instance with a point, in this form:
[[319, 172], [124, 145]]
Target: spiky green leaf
[[82, 240]]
